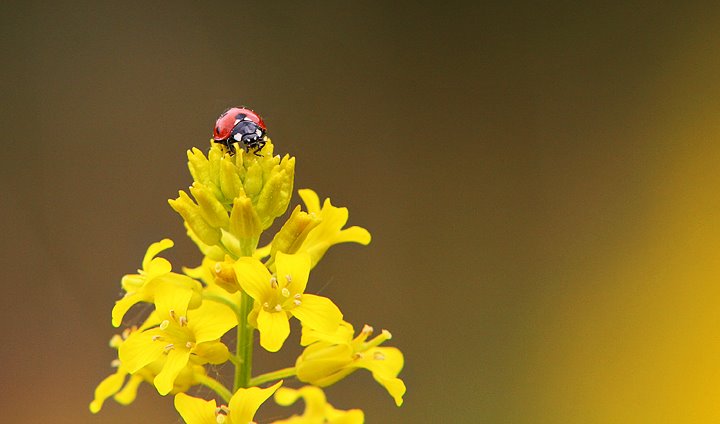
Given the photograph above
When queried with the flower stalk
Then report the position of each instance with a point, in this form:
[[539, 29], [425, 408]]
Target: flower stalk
[[215, 386], [273, 376], [244, 346]]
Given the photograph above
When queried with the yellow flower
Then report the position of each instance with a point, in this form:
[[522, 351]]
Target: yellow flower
[[331, 357], [241, 409], [277, 297], [330, 231], [316, 230], [317, 410], [155, 283], [179, 339], [236, 197], [123, 386]]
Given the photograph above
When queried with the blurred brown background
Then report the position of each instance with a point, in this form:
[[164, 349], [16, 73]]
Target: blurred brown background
[[541, 181]]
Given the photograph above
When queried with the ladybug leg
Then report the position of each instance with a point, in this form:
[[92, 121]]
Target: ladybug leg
[[231, 147], [259, 146]]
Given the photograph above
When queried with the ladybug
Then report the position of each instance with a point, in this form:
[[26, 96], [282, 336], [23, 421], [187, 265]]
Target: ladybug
[[240, 125]]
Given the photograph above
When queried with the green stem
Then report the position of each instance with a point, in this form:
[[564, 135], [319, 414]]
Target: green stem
[[271, 376], [244, 348], [216, 386]]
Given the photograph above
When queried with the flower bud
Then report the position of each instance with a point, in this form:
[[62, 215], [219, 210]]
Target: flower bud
[[275, 195], [293, 233], [230, 183], [212, 211], [195, 222]]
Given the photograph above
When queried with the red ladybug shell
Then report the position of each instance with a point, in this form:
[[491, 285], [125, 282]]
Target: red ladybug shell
[[227, 121]]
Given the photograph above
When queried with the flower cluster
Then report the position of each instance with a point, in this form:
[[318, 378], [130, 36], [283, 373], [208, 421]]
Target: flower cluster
[[240, 285]]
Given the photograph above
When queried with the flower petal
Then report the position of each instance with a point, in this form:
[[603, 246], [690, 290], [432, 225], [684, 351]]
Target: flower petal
[[333, 216], [157, 266], [385, 363], [245, 402], [122, 306], [177, 359], [317, 409], [213, 352], [210, 321], [274, 328], [352, 416], [394, 386], [286, 396], [194, 410], [139, 350], [262, 252], [154, 249], [171, 297], [315, 403], [108, 387], [254, 278], [297, 267], [354, 234], [318, 312], [127, 395], [311, 200]]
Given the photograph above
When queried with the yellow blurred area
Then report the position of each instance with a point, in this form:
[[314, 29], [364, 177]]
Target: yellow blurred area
[[640, 341], [641, 344]]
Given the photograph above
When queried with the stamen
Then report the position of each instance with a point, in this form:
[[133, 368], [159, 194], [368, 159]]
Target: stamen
[[378, 356], [387, 334], [273, 282], [172, 314], [358, 355], [297, 302], [266, 305], [297, 296], [218, 267], [156, 338], [221, 414], [189, 345], [115, 363], [367, 329], [169, 347], [164, 324], [285, 292], [183, 321], [288, 278], [278, 307], [116, 341]]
